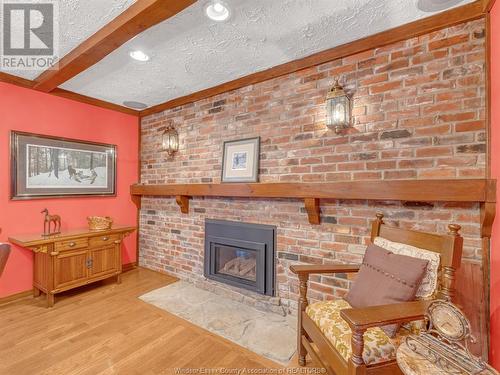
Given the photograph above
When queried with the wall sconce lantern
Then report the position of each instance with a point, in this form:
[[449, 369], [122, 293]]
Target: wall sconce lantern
[[170, 140], [338, 108]]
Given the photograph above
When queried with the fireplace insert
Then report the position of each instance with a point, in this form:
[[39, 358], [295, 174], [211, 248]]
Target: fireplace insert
[[241, 254]]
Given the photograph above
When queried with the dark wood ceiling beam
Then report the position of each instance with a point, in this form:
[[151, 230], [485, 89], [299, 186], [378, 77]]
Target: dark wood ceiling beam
[[442, 20], [139, 17]]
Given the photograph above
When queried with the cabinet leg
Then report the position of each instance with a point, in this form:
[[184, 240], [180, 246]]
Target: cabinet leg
[[119, 279], [50, 299], [36, 292]]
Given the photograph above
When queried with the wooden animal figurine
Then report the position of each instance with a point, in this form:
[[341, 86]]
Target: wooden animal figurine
[[48, 220]]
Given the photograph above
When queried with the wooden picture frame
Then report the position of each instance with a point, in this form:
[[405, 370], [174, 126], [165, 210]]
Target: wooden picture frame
[[240, 160], [54, 167]]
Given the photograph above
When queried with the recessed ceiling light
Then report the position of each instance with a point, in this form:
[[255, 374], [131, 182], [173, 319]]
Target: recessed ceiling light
[[134, 105], [217, 10], [139, 56], [436, 5]]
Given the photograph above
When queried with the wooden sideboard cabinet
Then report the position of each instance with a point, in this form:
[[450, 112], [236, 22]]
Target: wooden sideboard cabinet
[[74, 258]]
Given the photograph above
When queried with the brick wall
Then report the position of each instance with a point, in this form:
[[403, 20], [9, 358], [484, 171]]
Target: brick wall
[[418, 113]]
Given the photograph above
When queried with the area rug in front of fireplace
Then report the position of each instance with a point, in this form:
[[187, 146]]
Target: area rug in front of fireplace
[[265, 333]]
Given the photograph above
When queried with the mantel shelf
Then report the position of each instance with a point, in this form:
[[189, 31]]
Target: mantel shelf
[[457, 190]]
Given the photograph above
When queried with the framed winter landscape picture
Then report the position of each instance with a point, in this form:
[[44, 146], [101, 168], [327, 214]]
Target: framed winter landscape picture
[[240, 160], [44, 166]]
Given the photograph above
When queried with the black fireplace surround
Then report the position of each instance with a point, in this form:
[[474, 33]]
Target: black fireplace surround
[[241, 254]]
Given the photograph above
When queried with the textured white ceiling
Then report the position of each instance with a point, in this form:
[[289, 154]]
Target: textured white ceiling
[[78, 20], [189, 52]]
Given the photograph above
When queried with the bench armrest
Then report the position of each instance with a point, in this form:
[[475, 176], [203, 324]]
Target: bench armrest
[[374, 316], [324, 268]]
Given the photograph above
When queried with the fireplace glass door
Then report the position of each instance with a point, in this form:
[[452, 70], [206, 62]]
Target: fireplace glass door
[[236, 262]]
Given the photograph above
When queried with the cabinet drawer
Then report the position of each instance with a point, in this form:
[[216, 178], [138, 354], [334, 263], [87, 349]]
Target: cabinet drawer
[[105, 239], [71, 244]]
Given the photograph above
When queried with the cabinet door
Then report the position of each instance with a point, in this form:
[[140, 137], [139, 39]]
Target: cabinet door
[[70, 269], [104, 260]]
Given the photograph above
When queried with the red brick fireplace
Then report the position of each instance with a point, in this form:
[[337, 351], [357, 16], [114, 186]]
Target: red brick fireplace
[[418, 113]]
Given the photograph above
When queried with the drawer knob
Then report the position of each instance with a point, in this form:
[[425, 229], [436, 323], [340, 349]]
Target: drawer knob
[[105, 238], [72, 244]]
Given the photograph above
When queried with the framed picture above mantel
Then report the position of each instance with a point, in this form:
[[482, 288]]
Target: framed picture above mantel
[[46, 166], [240, 160]]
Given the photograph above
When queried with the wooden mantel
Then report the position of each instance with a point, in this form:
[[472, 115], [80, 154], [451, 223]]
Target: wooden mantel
[[482, 191]]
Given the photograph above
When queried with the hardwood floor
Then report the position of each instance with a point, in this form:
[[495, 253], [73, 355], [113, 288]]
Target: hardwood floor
[[105, 329]]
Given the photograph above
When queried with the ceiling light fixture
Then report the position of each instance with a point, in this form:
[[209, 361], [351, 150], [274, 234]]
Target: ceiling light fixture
[[436, 5], [139, 56], [217, 10], [135, 105]]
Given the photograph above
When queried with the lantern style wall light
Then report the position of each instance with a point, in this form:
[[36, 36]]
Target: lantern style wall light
[[170, 140], [338, 108]]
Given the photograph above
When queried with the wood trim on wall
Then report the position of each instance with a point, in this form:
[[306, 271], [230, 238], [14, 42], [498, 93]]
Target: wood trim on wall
[[16, 296], [28, 84], [92, 101], [488, 5], [442, 20], [14, 80], [139, 17], [129, 266]]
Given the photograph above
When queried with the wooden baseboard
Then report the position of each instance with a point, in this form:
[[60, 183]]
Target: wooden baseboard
[[125, 268], [16, 296], [160, 272], [129, 266]]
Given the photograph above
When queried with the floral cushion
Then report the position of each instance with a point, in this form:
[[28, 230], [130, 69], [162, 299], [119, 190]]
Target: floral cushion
[[429, 282], [378, 346]]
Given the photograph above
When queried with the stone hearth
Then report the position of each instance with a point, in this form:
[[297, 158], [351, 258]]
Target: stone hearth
[[265, 333]]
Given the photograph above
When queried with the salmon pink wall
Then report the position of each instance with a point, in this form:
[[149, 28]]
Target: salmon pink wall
[[495, 173], [31, 111]]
